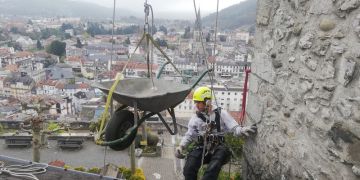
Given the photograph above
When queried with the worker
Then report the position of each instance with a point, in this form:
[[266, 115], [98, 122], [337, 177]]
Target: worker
[[207, 128]]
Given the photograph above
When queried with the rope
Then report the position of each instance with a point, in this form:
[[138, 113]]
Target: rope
[[23, 171], [112, 37], [211, 77], [119, 76], [149, 48]]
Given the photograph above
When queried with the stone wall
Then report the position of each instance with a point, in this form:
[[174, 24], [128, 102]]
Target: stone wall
[[305, 91]]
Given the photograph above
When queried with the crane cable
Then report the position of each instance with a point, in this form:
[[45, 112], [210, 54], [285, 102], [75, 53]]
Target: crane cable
[[119, 76]]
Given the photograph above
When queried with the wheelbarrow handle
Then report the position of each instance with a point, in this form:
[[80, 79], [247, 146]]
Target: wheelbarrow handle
[[162, 69], [202, 75]]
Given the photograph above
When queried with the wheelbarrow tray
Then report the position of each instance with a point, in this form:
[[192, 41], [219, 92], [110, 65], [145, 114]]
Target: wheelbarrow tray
[[166, 94]]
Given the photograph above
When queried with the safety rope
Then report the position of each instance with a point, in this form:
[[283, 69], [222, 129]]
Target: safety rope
[[211, 76], [23, 171]]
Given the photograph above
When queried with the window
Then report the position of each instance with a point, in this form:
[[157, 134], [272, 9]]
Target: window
[[222, 93], [235, 99], [228, 99], [235, 93], [228, 93]]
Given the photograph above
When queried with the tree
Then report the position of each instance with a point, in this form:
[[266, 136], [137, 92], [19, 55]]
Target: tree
[[57, 48], [161, 42], [30, 22], [222, 38], [39, 45], [14, 30], [15, 45], [163, 29], [207, 38], [78, 43], [65, 26], [127, 41], [187, 33]]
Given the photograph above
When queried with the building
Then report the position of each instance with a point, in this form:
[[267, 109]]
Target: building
[[18, 85]]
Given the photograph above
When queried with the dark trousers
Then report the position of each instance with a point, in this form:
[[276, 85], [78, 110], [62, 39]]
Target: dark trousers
[[215, 161]]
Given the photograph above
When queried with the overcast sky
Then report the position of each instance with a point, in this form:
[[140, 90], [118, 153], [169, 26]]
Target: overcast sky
[[168, 6]]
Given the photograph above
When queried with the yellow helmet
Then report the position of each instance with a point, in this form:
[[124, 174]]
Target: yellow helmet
[[202, 93]]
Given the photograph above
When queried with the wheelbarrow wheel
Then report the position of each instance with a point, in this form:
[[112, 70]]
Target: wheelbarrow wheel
[[119, 123]]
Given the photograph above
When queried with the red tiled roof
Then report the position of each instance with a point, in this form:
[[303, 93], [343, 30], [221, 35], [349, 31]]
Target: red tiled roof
[[12, 67], [75, 59], [83, 86], [60, 85], [212, 59], [4, 52], [57, 163], [46, 82], [23, 54]]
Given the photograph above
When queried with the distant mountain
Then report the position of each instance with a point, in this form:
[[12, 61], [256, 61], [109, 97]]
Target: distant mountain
[[238, 15], [52, 8]]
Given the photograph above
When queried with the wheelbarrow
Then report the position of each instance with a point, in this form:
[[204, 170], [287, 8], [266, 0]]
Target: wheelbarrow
[[143, 94]]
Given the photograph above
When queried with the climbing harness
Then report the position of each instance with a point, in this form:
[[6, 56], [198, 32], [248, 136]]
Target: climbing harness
[[23, 171], [211, 77]]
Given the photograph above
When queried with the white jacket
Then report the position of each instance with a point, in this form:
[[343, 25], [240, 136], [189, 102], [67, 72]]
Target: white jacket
[[197, 125]]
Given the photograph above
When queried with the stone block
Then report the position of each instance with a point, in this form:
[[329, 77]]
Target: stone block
[[344, 108], [327, 24], [309, 61], [356, 170], [255, 108], [263, 12], [347, 69], [254, 83], [322, 48], [262, 67], [339, 34], [337, 48], [327, 70], [306, 41], [349, 5]]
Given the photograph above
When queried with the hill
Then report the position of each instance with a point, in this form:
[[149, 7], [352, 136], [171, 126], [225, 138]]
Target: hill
[[235, 16], [52, 8]]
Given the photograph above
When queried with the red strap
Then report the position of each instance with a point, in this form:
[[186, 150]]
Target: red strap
[[243, 105]]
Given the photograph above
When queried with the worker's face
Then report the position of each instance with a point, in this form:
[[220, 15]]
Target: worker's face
[[200, 105]]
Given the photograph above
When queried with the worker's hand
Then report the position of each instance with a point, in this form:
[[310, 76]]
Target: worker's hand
[[179, 152], [244, 131]]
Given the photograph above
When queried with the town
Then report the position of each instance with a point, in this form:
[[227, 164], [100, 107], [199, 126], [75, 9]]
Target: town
[[55, 62]]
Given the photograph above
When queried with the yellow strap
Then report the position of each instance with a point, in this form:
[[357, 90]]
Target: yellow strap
[[119, 76]]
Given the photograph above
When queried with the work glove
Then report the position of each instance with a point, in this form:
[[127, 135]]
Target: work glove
[[244, 131], [179, 152]]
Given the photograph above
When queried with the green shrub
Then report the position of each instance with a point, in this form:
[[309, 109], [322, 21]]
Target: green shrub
[[126, 173], [53, 126], [94, 170], [235, 144], [152, 139], [93, 126], [1, 129], [80, 168], [67, 166]]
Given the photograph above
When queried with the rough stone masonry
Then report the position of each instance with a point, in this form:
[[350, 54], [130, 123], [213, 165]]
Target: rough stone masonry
[[305, 91]]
